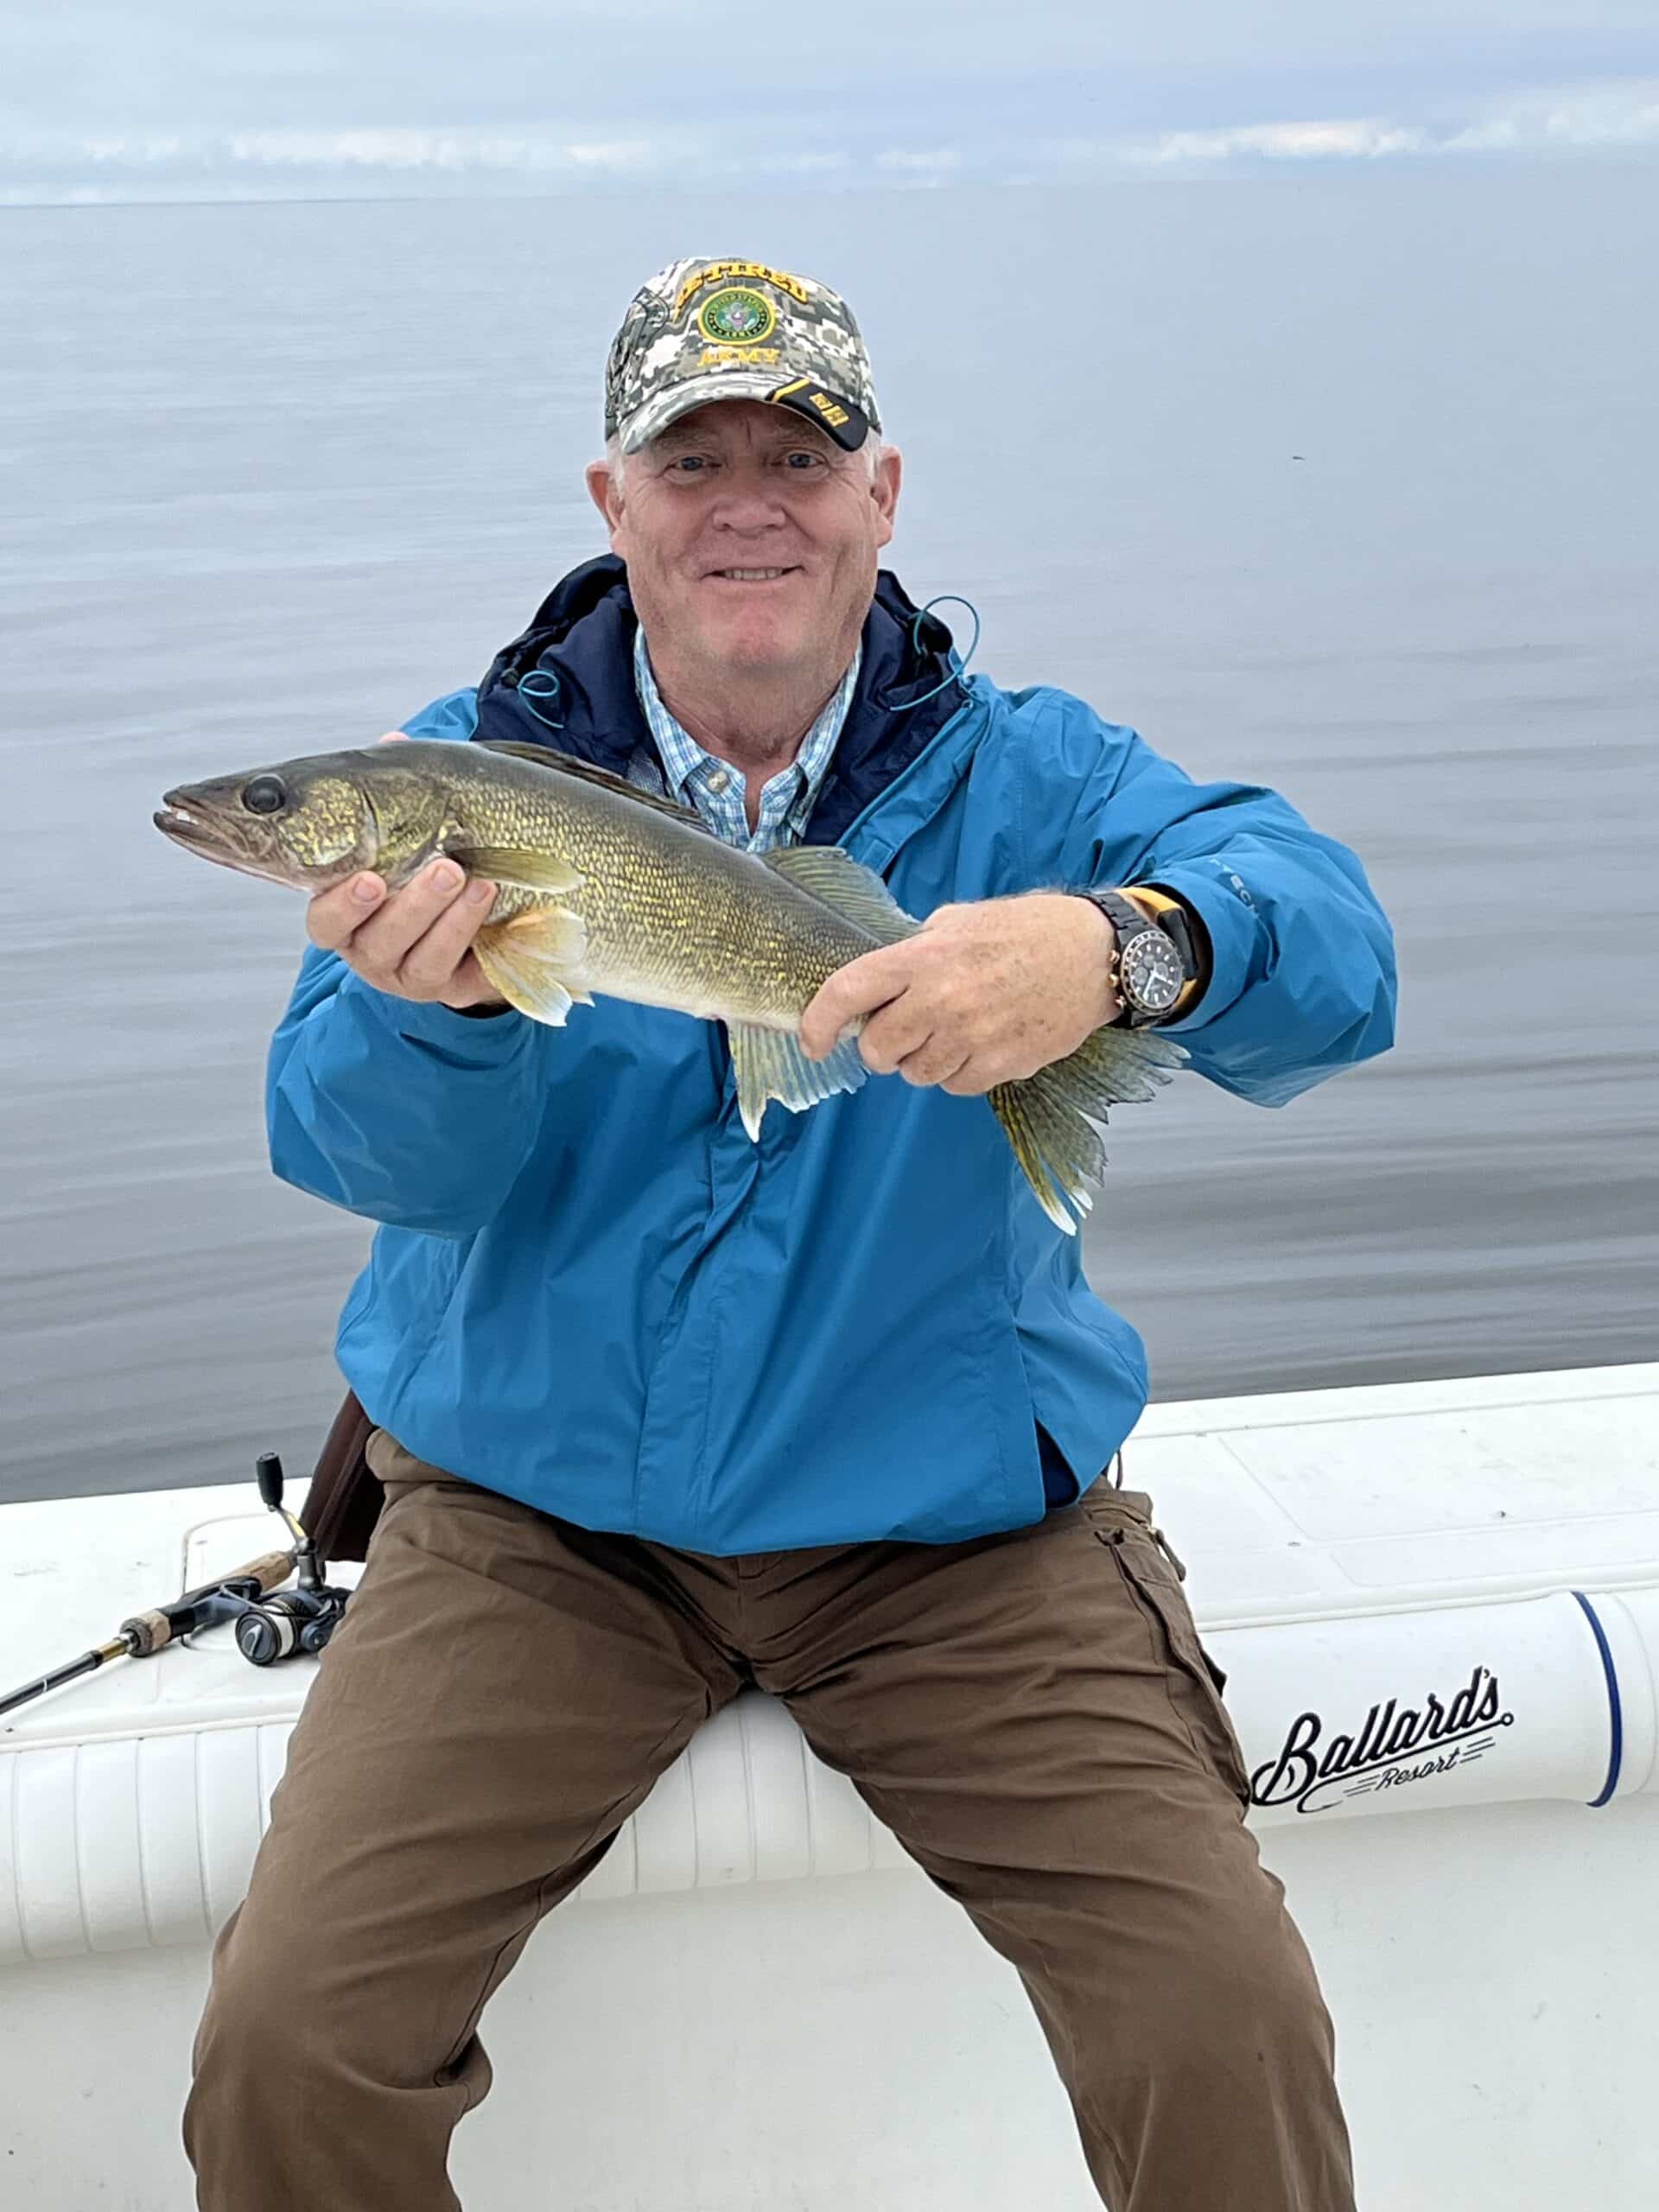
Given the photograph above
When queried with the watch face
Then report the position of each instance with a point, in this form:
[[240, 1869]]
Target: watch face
[[1152, 971]]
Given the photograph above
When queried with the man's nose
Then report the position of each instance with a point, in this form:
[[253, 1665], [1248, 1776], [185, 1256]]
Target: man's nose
[[750, 503]]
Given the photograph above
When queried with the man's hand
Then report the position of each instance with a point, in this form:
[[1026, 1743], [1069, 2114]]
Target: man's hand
[[416, 942], [982, 994]]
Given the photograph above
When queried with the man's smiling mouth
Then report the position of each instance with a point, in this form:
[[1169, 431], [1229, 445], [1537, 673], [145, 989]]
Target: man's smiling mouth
[[751, 575]]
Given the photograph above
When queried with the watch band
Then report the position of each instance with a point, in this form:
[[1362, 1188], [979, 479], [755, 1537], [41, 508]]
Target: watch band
[[1130, 920], [1192, 941]]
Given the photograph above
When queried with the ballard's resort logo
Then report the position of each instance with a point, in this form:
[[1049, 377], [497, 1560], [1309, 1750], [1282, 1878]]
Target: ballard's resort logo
[[1398, 1744]]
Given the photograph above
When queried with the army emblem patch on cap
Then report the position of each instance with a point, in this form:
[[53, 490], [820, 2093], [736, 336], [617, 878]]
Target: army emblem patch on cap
[[737, 317], [703, 329]]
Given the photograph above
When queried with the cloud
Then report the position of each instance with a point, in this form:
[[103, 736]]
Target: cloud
[[451, 151], [1580, 117], [929, 168], [1364, 140], [615, 152]]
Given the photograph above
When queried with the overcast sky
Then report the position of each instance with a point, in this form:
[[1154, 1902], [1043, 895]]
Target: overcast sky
[[107, 100]]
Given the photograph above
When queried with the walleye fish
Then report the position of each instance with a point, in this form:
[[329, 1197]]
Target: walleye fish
[[605, 887]]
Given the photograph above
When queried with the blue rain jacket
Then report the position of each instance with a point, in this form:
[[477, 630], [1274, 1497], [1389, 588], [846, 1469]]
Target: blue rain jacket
[[591, 1292]]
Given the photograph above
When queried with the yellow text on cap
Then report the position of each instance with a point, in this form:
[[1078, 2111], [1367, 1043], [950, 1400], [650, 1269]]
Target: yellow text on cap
[[718, 271]]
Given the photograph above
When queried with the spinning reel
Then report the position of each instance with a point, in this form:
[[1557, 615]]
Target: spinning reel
[[287, 1621], [271, 1623]]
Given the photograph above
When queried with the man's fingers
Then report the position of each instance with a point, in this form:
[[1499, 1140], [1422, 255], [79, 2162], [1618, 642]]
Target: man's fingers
[[859, 988], [333, 916], [383, 941], [893, 1036], [391, 735], [972, 1080], [934, 1062], [411, 943], [430, 968], [470, 986]]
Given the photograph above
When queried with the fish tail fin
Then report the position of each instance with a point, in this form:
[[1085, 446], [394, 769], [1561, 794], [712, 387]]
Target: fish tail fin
[[770, 1064], [1047, 1117]]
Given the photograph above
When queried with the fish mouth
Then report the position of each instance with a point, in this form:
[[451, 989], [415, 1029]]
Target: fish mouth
[[201, 831], [173, 819]]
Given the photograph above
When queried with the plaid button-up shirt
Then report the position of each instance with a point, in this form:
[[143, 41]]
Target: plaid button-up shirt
[[714, 788]]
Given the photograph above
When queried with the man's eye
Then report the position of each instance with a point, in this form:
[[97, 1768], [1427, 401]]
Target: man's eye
[[688, 464], [803, 459]]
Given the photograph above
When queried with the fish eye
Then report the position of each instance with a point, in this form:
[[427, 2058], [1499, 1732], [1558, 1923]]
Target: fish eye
[[264, 795]]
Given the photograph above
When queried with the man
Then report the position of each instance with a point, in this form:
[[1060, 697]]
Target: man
[[663, 1413]]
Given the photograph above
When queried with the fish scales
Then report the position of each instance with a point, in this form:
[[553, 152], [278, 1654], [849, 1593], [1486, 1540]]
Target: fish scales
[[672, 915]]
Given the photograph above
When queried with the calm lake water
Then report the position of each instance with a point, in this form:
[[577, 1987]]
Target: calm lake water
[[1345, 484]]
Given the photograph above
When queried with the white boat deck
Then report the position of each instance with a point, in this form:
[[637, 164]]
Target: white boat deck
[[1437, 1606]]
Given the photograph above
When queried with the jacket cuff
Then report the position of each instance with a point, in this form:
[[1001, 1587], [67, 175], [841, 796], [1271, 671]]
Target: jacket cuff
[[1235, 930], [442, 1031]]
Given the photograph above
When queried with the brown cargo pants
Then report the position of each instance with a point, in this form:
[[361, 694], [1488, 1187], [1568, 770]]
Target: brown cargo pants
[[1030, 1713]]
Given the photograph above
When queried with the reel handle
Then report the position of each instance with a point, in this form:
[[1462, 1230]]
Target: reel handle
[[268, 1473]]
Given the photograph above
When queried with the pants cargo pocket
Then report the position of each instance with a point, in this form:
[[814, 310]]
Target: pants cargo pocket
[[1195, 1681]]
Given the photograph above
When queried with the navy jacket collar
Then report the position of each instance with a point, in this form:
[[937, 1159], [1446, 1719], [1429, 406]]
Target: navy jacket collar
[[567, 681]]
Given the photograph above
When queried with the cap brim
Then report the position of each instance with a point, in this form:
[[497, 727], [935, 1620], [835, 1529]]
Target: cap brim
[[666, 407]]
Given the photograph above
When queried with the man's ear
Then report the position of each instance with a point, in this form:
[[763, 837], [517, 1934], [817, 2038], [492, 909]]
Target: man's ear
[[884, 490], [603, 491]]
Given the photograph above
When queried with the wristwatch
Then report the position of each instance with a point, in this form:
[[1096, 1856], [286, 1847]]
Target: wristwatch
[[1154, 963]]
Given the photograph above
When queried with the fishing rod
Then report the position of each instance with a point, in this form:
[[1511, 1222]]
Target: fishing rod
[[271, 1624]]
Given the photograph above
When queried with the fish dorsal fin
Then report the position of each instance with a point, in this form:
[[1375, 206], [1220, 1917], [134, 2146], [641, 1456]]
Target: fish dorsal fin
[[839, 881], [567, 764]]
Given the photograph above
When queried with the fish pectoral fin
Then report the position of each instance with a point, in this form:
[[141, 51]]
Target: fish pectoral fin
[[524, 869], [770, 1064], [840, 882], [536, 960]]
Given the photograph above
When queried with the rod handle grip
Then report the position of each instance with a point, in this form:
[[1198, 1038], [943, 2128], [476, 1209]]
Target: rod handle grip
[[270, 1570], [151, 1630]]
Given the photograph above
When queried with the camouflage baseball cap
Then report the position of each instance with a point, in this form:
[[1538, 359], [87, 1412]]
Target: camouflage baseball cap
[[702, 330]]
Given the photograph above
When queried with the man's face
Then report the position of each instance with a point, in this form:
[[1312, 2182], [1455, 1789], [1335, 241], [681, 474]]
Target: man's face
[[750, 539]]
